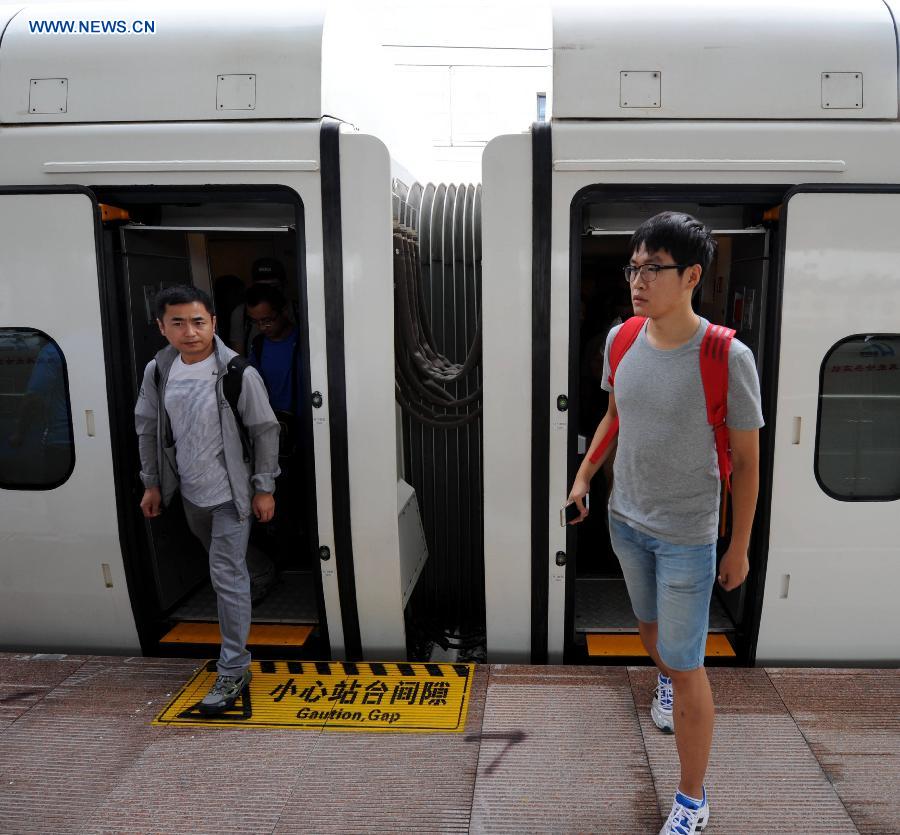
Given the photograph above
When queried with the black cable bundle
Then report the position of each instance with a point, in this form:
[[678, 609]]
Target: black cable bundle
[[422, 373]]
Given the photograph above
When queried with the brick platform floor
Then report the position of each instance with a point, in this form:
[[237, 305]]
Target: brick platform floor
[[546, 749]]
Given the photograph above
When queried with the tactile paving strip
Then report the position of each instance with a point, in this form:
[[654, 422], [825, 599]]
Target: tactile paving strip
[[561, 751], [339, 696], [762, 776], [389, 783], [62, 757], [851, 721]]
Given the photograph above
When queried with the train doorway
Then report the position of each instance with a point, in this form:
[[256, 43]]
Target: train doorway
[[222, 244], [737, 293]]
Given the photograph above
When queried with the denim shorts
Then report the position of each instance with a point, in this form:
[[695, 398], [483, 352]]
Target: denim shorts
[[671, 585]]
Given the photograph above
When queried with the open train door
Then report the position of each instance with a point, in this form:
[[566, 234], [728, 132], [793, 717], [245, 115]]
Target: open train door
[[59, 531], [831, 579]]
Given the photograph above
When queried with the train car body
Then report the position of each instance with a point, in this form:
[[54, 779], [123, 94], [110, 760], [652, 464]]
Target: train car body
[[212, 142], [778, 125]]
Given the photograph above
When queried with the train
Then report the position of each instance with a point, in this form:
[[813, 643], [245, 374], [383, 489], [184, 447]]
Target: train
[[428, 507]]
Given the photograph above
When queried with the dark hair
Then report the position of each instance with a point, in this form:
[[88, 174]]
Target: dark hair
[[259, 293], [685, 238], [181, 294]]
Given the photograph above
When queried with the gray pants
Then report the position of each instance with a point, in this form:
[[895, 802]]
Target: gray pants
[[225, 538]]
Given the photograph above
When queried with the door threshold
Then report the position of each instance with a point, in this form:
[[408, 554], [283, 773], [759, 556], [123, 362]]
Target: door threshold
[[622, 645], [261, 634]]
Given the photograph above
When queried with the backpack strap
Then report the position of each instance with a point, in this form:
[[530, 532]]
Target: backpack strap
[[166, 422], [714, 372], [624, 339], [231, 388]]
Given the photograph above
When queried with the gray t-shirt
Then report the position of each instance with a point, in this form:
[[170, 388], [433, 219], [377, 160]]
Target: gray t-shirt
[[666, 475], [192, 407]]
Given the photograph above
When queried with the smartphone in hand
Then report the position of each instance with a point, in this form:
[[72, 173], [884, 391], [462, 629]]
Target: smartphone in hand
[[570, 512]]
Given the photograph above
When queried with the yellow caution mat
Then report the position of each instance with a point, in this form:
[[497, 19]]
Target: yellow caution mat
[[333, 695]]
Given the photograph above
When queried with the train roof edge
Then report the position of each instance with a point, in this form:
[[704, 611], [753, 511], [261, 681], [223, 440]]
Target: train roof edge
[[160, 62], [745, 59]]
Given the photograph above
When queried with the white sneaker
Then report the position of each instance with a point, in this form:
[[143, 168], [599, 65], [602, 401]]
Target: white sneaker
[[685, 819], [663, 702]]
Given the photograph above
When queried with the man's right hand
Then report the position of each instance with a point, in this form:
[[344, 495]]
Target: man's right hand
[[579, 491], [151, 504]]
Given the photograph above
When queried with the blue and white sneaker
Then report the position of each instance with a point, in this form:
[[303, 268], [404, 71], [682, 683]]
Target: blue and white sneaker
[[687, 816], [663, 702]]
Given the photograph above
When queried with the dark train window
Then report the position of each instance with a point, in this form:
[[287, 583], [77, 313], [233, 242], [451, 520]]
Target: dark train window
[[36, 446], [858, 436]]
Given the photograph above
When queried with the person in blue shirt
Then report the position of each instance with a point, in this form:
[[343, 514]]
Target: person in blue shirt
[[274, 352]]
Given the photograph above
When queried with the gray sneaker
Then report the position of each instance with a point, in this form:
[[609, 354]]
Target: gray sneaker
[[224, 692]]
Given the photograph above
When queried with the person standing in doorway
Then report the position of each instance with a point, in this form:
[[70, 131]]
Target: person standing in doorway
[[275, 353], [663, 510], [265, 272], [190, 438]]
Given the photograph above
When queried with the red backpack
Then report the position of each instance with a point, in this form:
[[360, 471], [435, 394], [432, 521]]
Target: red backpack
[[714, 373]]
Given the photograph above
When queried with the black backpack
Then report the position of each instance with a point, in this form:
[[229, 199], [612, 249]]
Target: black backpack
[[231, 388]]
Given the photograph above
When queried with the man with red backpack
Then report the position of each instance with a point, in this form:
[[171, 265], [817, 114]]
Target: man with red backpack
[[682, 393]]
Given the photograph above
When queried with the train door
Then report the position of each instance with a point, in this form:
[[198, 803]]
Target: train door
[[221, 243], [153, 259], [599, 621], [831, 579], [59, 528]]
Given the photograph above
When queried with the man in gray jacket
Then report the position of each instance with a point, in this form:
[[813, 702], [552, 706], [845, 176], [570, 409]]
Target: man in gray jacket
[[189, 439]]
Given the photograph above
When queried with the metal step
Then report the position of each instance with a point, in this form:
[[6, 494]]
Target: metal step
[[261, 634], [292, 599], [602, 605], [623, 645]]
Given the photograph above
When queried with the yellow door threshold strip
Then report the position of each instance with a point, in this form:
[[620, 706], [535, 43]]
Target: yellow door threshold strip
[[334, 695], [619, 645], [261, 634]]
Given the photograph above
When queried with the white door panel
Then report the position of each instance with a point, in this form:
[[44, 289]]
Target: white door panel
[[833, 565], [54, 543]]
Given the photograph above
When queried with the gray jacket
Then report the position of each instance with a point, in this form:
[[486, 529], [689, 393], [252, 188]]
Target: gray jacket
[[158, 465]]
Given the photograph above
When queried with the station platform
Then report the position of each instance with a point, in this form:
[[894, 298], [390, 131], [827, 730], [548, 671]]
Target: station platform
[[542, 749]]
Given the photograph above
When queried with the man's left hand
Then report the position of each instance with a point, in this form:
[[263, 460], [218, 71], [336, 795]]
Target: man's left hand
[[263, 506], [733, 568]]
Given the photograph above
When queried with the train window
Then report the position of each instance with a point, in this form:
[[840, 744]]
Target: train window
[[36, 446], [858, 436]]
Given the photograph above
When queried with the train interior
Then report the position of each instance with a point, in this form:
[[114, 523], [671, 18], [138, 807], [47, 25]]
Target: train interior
[[220, 246], [735, 294]]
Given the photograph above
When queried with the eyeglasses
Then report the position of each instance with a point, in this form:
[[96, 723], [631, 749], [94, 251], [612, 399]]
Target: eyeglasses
[[265, 322], [649, 272]]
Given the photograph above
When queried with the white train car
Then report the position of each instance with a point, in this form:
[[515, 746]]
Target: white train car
[[180, 145], [777, 123]]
